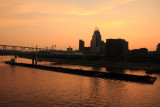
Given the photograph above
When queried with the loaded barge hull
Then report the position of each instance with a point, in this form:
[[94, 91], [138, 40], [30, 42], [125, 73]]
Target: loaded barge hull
[[116, 76]]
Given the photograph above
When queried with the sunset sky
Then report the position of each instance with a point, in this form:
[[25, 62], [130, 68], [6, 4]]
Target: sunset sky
[[64, 22]]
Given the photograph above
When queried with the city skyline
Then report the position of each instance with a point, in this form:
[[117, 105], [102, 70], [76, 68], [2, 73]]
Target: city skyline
[[63, 23]]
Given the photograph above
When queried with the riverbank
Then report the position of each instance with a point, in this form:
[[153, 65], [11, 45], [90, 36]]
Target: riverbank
[[103, 63], [125, 65]]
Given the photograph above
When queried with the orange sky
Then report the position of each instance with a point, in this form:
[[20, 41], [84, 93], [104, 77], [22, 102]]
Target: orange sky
[[64, 22]]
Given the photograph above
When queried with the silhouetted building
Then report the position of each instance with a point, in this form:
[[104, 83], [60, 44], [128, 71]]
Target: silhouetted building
[[139, 55], [87, 50], [81, 45], [96, 41], [158, 48], [116, 49], [139, 51], [103, 50], [97, 46], [69, 49], [102, 43]]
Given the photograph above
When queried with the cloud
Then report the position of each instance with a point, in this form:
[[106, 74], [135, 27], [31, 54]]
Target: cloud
[[49, 7], [18, 11]]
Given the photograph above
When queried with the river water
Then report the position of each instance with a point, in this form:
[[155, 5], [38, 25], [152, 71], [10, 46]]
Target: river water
[[22, 86]]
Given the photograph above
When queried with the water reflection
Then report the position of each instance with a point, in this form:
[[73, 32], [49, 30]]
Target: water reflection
[[94, 91], [21, 86]]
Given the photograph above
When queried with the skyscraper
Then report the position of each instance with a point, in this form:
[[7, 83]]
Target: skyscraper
[[158, 48], [81, 45], [96, 41]]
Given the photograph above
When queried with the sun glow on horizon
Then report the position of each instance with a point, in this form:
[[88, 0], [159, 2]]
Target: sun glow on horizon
[[63, 23]]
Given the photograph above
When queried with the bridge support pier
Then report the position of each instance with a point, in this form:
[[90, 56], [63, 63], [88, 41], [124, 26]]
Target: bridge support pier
[[34, 60]]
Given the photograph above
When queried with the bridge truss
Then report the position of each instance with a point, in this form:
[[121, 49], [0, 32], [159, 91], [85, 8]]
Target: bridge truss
[[21, 48]]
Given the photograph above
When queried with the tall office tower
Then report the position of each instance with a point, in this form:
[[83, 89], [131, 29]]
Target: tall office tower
[[81, 45], [95, 41]]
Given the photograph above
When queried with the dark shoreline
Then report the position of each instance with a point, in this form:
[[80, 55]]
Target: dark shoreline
[[100, 63], [124, 65]]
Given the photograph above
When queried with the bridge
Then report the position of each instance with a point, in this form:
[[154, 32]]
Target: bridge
[[35, 53], [28, 52], [21, 48]]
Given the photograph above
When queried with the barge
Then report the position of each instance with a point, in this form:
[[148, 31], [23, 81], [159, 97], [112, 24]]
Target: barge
[[90, 73]]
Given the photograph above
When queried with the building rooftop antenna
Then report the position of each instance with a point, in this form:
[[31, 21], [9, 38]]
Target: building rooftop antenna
[[96, 29]]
